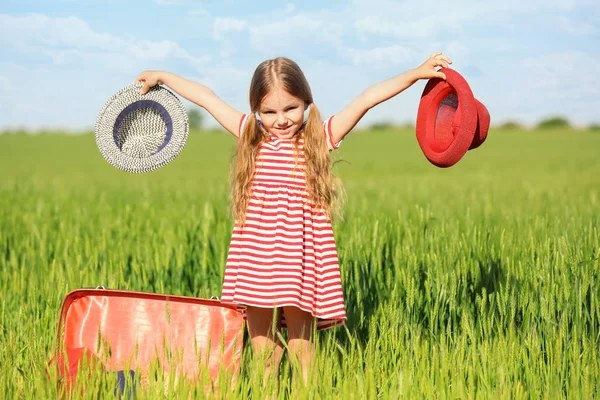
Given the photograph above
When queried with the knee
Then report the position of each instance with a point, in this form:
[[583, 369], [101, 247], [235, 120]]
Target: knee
[[277, 354], [267, 349], [299, 346]]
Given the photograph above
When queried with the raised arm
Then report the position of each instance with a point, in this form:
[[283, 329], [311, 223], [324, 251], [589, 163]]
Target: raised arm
[[346, 119], [197, 93]]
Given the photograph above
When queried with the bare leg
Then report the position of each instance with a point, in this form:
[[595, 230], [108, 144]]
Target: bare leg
[[300, 325], [263, 329]]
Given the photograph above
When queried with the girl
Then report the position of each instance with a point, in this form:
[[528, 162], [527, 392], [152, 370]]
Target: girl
[[282, 262]]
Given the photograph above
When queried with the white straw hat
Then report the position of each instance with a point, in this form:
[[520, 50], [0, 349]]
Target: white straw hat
[[141, 132]]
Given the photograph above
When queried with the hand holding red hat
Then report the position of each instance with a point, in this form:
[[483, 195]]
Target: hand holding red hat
[[428, 70], [450, 121]]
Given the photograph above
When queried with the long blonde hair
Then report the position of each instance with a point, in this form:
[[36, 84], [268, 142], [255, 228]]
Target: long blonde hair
[[321, 185]]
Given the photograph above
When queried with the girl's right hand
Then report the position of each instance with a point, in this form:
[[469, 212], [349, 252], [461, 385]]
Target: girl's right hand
[[150, 79], [428, 70]]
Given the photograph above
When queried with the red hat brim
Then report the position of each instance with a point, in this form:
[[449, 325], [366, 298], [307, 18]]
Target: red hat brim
[[447, 119], [483, 124]]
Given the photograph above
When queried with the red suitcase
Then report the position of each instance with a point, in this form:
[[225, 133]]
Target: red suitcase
[[129, 331]]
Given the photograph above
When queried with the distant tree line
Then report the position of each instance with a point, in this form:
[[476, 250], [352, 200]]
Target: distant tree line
[[550, 123], [196, 120]]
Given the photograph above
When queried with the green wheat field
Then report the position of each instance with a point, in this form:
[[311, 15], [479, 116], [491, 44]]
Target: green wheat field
[[477, 281]]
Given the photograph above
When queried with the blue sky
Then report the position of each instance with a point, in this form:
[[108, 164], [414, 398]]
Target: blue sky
[[525, 60]]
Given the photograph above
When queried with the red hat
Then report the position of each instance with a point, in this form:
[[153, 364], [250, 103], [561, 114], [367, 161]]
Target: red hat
[[450, 121]]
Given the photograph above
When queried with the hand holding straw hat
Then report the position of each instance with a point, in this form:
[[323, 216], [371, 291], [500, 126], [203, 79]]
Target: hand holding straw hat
[[138, 132]]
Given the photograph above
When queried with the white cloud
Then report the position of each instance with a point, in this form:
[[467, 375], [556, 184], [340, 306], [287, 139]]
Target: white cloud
[[457, 49], [41, 30], [223, 26], [290, 8], [424, 19], [391, 55], [198, 13], [430, 18], [3, 83], [560, 83], [75, 70], [224, 31], [231, 82], [70, 39], [295, 32], [564, 75], [179, 2], [426, 26], [576, 27]]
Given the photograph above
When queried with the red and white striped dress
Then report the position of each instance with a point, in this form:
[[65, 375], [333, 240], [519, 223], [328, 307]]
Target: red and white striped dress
[[285, 255]]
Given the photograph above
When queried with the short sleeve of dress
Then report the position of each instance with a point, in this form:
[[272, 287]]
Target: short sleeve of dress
[[328, 136], [242, 124]]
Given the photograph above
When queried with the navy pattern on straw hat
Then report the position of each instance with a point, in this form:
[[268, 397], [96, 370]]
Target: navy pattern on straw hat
[[139, 133]]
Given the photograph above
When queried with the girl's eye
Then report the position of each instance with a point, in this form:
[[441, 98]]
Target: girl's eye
[[291, 108], [268, 112]]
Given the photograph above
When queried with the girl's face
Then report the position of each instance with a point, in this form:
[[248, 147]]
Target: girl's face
[[281, 113]]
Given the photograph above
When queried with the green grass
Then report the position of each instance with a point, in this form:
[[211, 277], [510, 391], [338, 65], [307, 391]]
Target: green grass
[[476, 281]]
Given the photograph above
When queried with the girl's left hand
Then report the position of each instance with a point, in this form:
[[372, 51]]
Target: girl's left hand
[[428, 70]]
